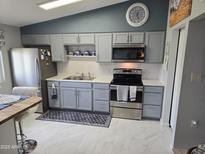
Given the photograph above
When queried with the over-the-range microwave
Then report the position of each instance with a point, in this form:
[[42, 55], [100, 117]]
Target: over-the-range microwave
[[128, 53]]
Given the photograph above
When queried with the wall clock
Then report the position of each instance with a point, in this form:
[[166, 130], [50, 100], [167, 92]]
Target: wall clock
[[137, 14]]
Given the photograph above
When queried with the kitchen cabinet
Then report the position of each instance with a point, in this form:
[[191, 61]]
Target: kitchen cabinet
[[70, 39], [86, 39], [152, 104], [101, 98], [103, 44], [35, 40], [77, 39], [76, 95], [128, 38], [136, 38], [69, 98], [84, 101], [154, 42], [120, 38], [54, 102], [57, 48]]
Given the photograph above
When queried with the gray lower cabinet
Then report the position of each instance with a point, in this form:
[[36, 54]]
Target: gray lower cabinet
[[54, 89], [101, 98], [76, 95], [84, 101], [69, 98], [152, 104]]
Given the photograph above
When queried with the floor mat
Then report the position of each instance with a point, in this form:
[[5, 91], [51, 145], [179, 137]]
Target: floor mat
[[92, 119]]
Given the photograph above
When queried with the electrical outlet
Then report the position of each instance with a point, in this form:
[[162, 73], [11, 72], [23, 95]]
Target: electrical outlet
[[194, 123]]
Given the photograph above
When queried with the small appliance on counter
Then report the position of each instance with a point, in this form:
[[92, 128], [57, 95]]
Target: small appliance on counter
[[127, 93]]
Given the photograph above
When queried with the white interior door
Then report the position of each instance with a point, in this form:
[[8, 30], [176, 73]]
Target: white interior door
[[178, 78]]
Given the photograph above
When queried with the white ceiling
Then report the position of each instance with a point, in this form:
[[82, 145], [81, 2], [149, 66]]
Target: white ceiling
[[26, 12]]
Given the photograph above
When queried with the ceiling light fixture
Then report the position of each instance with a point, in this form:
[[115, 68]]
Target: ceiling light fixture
[[56, 3]]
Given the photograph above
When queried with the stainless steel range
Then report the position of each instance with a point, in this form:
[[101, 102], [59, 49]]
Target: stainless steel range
[[127, 93]]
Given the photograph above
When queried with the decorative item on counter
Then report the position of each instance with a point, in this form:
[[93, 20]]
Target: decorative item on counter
[[93, 53], [70, 53], [77, 53], [86, 53]]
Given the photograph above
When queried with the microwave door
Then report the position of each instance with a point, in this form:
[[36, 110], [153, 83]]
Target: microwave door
[[128, 54]]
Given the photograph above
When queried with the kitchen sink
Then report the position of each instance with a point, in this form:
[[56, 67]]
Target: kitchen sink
[[79, 78]]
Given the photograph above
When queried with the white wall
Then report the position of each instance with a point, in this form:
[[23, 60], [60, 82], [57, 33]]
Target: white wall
[[198, 8], [182, 140], [150, 71], [12, 38]]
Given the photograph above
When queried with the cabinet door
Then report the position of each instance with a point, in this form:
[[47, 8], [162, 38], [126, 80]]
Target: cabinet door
[[136, 37], [120, 38], [69, 98], [27, 39], [57, 48], [84, 99], [150, 111], [53, 103], [70, 39], [101, 94], [103, 47], [86, 38], [101, 106], [154, 47], [41, 39]]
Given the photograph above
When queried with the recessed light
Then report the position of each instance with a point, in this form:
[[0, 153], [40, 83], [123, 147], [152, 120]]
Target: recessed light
[[56, 3]]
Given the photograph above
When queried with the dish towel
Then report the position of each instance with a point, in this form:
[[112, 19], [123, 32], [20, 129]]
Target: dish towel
[[133, 92], [122, 93]]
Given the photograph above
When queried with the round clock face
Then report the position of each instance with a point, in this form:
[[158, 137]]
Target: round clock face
[[137, 14]]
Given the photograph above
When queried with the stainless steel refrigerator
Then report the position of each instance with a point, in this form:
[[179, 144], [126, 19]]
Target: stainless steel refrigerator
[[30, 67]]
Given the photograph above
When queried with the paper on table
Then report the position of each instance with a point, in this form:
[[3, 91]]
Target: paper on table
[[7, 99]]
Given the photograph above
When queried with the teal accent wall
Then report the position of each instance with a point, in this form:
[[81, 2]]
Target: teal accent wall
[[107, 19]]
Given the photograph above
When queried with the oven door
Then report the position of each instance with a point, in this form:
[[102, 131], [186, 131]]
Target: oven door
[[139, 94]]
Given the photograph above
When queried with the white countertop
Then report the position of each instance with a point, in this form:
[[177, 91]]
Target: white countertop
[[102, 79], [153, 83]]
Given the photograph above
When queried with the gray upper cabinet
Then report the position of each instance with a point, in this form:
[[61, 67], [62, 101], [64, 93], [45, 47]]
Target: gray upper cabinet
[[68, 98], [103, 43], [35, 40], [74, 39], [154, 42], [84, 99], [86, 39], [120, 38], [136, 38], [70, 39], [27, 39], [128, 38], [57, 48]]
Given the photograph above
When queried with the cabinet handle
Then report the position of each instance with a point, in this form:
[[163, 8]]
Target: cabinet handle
[[79, 39], [128, 39]]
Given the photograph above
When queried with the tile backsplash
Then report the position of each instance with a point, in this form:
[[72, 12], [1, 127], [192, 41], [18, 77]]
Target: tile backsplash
[[150, 71]]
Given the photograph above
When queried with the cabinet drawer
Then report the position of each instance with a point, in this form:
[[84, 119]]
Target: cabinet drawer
[[99, 94], [153, 89], [76, 84], [150, 111], [152, 99], [101, 106], [53, 82], [101, 86], [126, 113]]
